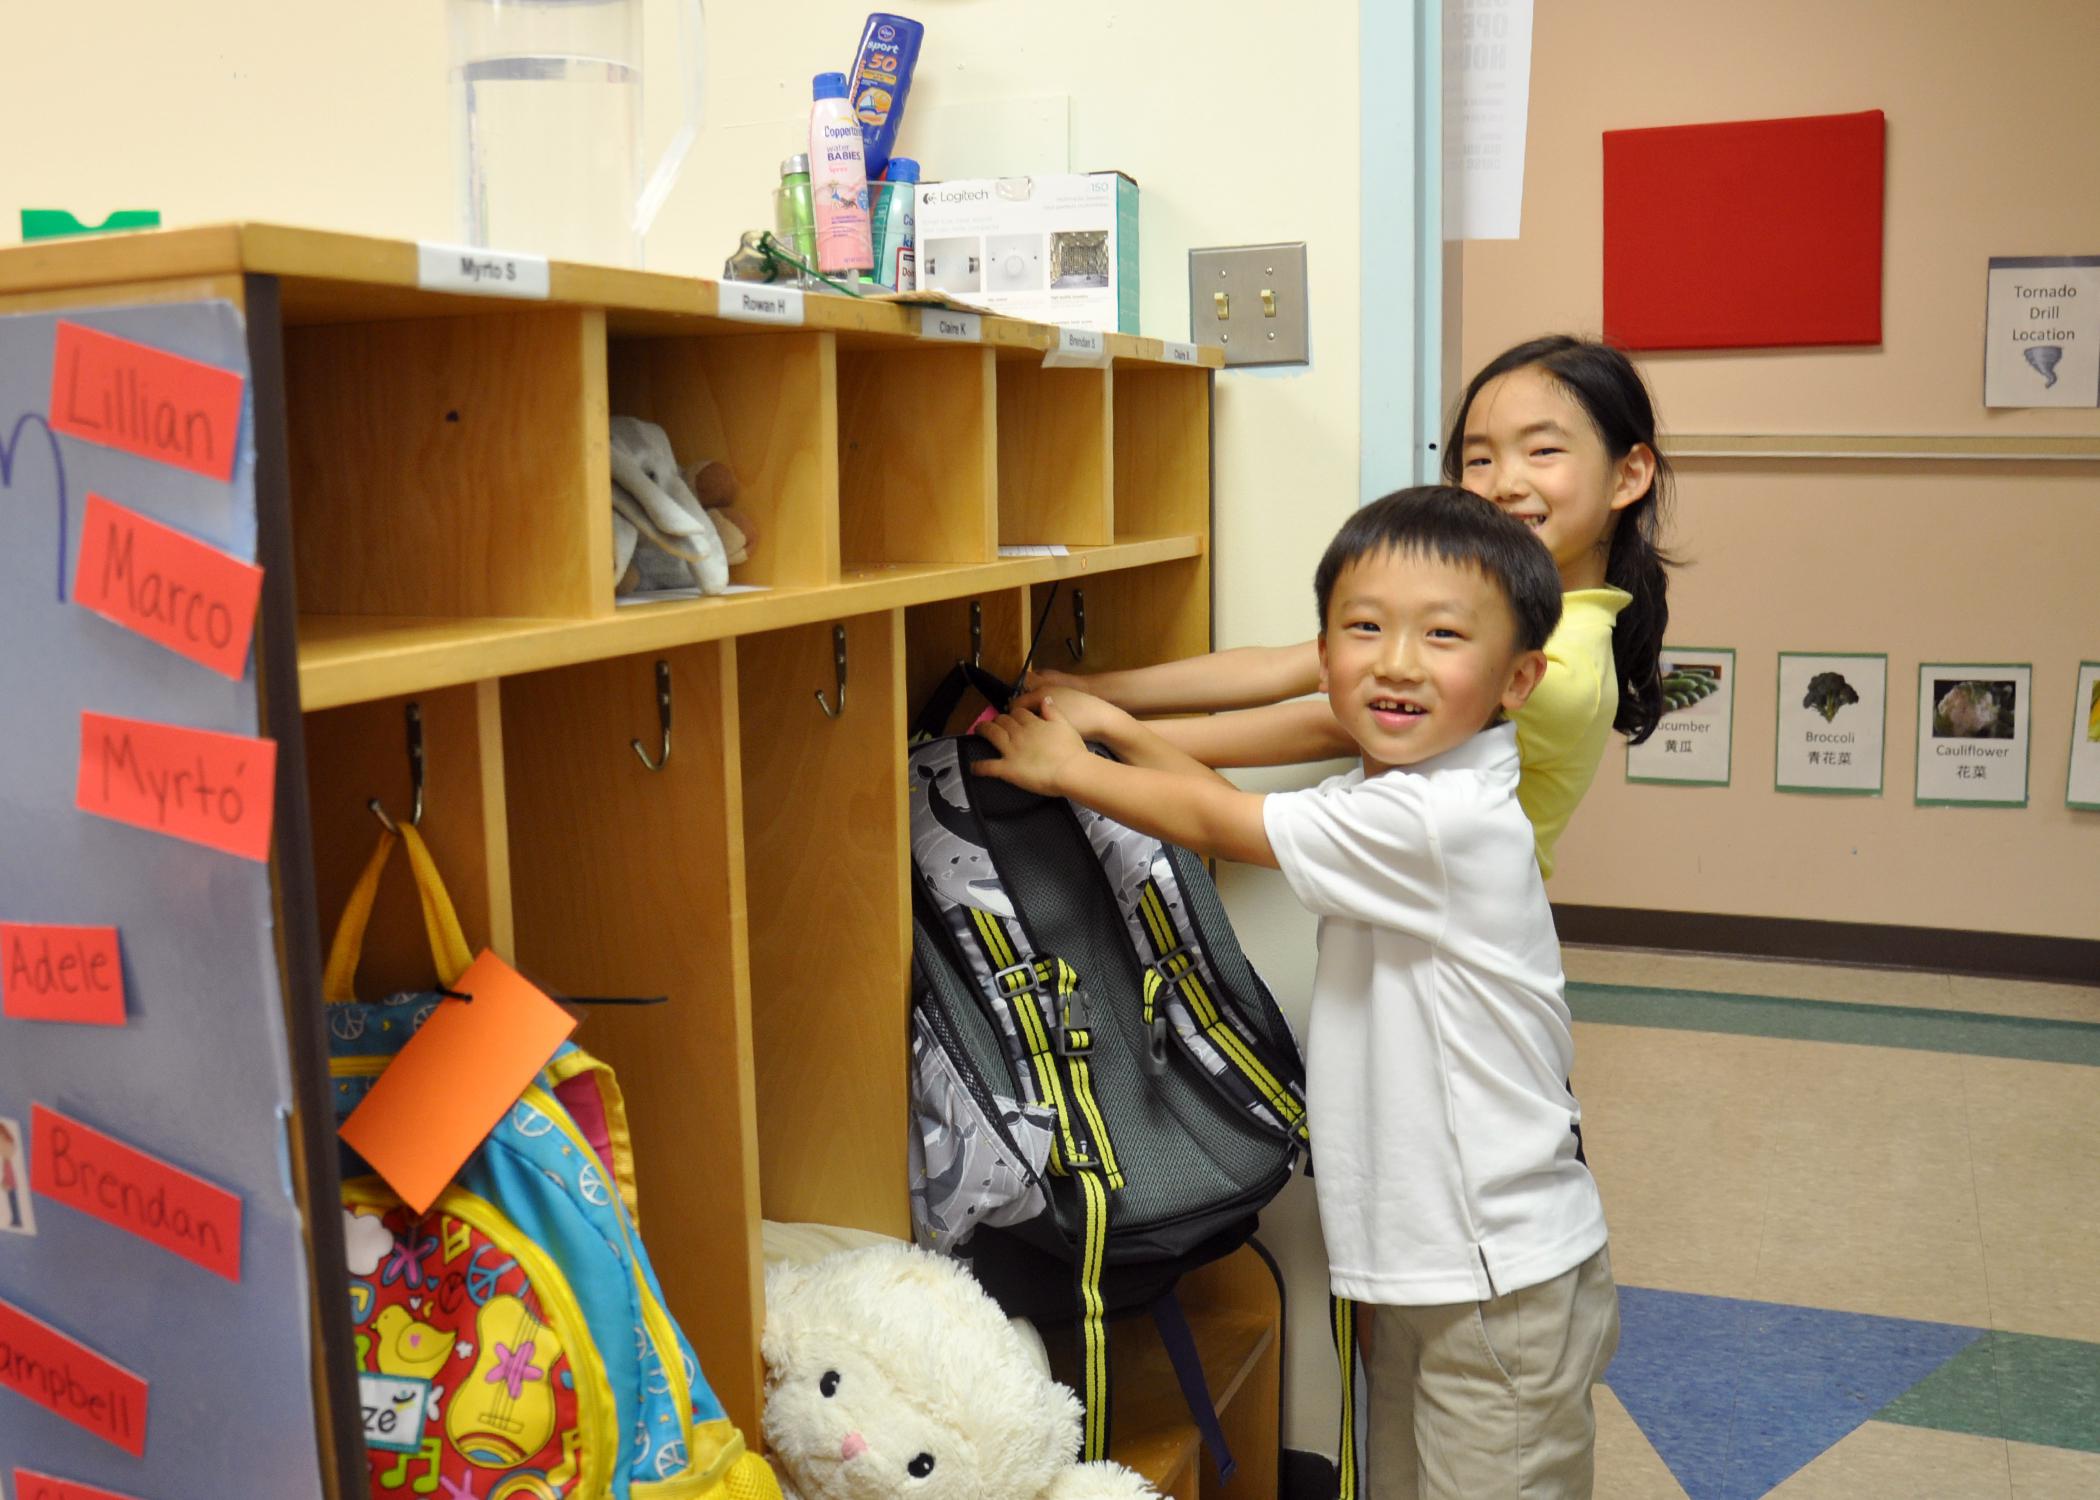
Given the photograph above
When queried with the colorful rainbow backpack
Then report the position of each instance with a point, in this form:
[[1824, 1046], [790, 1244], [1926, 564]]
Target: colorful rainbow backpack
[[512, 1342]]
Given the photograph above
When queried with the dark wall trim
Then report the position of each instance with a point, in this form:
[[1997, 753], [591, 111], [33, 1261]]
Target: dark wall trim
[[1998, 955]]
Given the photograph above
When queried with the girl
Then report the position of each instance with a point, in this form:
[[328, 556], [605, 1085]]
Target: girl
[[1559, 432]]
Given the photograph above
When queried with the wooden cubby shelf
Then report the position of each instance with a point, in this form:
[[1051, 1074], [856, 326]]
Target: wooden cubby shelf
[[435, 466]]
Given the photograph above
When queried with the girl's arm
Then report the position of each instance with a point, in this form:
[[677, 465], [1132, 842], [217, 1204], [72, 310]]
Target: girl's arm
[[1243, 678], [1281, 734]]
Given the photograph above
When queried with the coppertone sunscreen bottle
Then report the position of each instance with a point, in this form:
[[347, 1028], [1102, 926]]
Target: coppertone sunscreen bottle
[[838, 175]]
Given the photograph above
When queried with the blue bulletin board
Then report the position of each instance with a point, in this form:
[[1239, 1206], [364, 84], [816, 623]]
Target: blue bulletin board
[[198, 1075]]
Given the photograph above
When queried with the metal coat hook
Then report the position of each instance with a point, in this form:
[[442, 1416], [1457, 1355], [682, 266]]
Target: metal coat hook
[[663, 714], [976, 633], [1078, 648], [415, 772], [838, 662]]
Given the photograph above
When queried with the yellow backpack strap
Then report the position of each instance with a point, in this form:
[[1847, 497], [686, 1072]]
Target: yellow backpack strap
[[448, 943]]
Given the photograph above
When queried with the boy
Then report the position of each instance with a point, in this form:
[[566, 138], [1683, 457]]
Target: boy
[[1449, 1191]]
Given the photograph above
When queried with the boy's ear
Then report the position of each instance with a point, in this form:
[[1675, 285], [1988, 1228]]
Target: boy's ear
[[1636, 472], [1321, 642], [1524, 676]]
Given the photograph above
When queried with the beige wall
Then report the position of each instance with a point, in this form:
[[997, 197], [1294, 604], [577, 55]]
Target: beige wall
[[336, 116], [1991, 151]]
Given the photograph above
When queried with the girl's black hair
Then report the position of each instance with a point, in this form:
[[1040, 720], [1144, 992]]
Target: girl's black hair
[[1604, 383]]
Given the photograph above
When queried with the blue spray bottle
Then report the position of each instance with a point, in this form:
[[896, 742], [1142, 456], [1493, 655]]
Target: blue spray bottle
[[881, 77]]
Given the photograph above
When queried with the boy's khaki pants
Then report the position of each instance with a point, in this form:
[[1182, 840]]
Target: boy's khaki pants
[[1491, 1400]]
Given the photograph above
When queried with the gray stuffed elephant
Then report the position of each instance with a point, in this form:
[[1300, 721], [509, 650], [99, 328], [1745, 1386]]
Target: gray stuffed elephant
[[662, 536]]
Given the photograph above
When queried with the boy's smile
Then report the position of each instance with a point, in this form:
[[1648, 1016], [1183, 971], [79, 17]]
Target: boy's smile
[[1419, 656]]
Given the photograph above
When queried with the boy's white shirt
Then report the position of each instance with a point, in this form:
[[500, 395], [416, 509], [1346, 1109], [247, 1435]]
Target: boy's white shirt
[[1440, 1040]]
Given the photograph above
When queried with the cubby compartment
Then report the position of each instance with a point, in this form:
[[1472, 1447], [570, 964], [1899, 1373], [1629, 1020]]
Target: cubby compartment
[[1102, 622], [359, 753], [1162, 450], [939, 635], [629, 882], [825, 851], [1056, 480], [765, 404], [918, 458], [450, 467]]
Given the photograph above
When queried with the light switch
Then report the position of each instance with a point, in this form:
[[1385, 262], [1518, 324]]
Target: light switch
[[1250, 301]]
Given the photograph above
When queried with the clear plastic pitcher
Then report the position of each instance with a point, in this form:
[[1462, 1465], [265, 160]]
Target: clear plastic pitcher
[[547, 125]]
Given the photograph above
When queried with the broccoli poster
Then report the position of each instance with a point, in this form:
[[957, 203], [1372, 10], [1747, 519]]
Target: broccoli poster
[[1972, 733], [2084, 789], [1690, 747], [1833, 717]]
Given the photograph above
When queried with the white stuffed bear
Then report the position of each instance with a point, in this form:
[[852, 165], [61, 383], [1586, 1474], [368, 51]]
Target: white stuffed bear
[[890, 1375]]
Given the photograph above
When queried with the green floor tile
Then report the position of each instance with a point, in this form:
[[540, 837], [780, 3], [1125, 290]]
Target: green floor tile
[[2011, 1385], [2024, 1037]]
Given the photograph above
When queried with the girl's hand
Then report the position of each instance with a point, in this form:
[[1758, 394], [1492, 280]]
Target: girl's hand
[[1090, 717], [1034, 750]]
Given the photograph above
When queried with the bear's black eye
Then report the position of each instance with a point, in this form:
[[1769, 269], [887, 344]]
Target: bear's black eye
[[829, 1385], [921, 1466]]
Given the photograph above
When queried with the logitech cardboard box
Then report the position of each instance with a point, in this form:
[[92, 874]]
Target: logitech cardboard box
[[1061, 249]]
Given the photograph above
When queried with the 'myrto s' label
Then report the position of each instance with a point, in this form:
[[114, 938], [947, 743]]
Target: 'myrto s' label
[[945, 327], [743, 303], [486, 273], [1179, 354]]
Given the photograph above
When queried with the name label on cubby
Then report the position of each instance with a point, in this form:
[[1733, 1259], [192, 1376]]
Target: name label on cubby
[[945, 327], [1078, 346], [484, 273], [1179, 354], [744, 303]]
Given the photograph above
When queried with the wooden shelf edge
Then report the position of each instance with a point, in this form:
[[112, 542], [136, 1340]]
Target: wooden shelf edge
[[637, 301], [354, 659]]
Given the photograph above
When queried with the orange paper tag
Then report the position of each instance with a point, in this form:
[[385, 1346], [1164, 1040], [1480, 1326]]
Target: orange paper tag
[[143, 400], [215, 789], [79, 1166], [455, 1079], [33, 1486], [61, 974], [68, 1378], [170, 588]]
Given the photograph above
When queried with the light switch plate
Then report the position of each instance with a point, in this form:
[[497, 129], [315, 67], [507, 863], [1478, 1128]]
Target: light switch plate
[[1249, 300]]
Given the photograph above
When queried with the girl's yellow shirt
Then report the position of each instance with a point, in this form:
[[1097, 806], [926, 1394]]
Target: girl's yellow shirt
[[1562, 727]]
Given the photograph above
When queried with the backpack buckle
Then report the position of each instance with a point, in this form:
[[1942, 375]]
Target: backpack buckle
[[1174, 965], [1025, 982], [1155, 1058], [1071, 1020]]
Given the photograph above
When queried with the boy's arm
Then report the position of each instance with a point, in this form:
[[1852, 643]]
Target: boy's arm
[[1242, 678], [1102, 723], [1195, 808], [1282, 734]]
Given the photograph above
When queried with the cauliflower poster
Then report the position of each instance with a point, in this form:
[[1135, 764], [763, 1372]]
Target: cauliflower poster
[[1691, 745], [1972, 733], [1833, 715]]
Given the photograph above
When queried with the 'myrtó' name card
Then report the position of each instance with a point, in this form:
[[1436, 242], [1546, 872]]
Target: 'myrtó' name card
[[196, 784], [172, 589], [40, 1364], [79, 1166], [50, 973], [142, 400]]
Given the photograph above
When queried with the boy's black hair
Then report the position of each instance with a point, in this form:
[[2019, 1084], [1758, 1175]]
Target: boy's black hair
[[1604, 383], [1453, 526]]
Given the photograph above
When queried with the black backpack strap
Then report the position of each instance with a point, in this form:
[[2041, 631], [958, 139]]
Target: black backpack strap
[[940, 705], [1180, 1344]]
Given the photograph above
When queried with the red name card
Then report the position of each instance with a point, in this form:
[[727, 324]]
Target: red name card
[[168, 587], [61, 974], [40, 1364], [33, 1486], [79, 1166], [142, 400], [454, 1080], [209, 788]]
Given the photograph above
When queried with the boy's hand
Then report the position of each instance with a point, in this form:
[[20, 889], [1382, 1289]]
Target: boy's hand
[[1091, 718], [1034, 749]]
